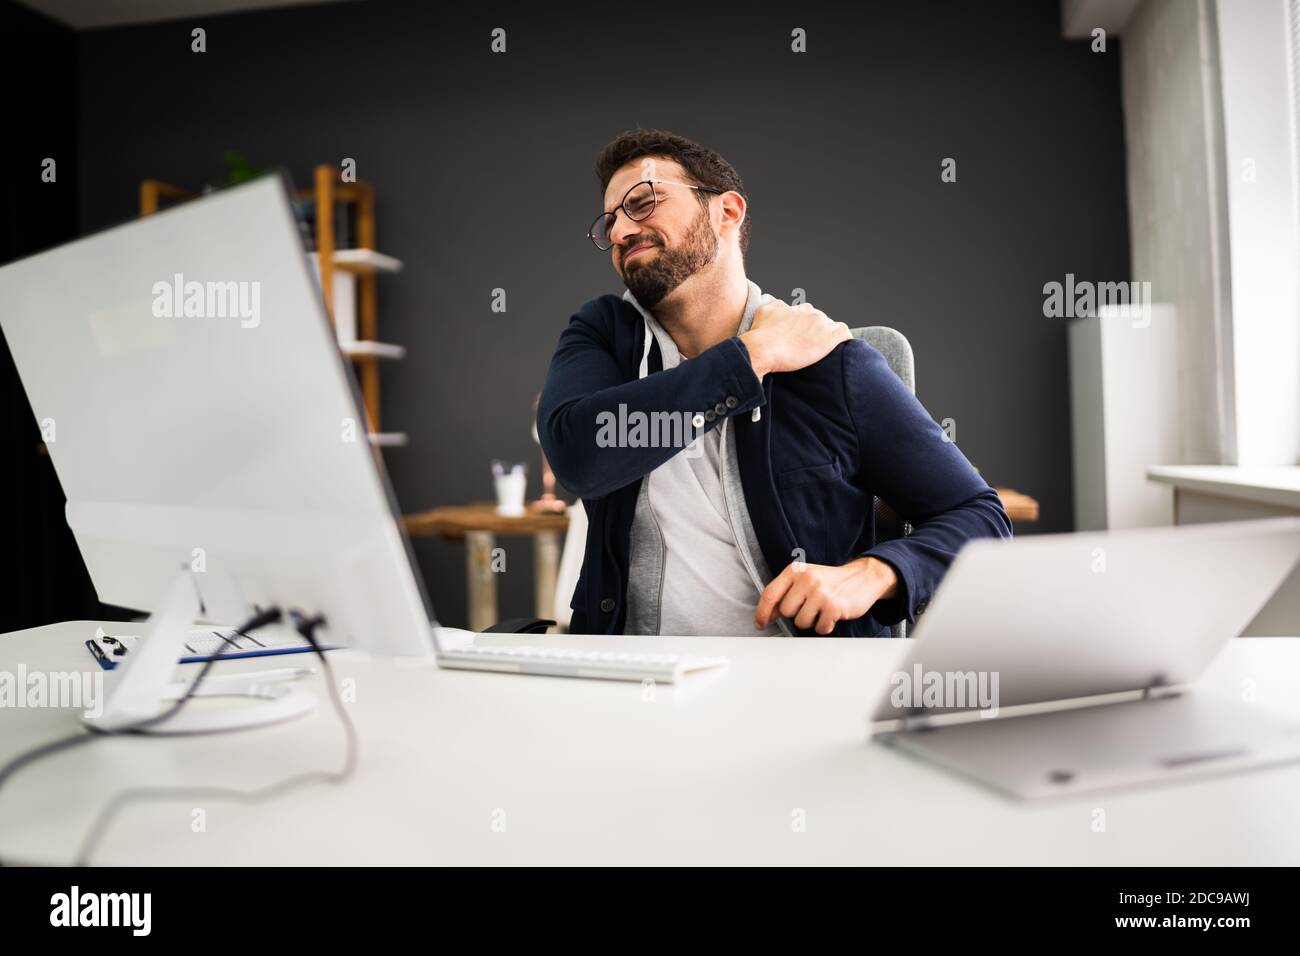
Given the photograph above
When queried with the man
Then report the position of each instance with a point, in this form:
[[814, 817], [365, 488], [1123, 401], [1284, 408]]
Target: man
[[764, 522]]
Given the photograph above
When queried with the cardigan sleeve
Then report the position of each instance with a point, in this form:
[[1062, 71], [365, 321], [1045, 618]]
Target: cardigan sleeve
[[907, 460], [601, 431]]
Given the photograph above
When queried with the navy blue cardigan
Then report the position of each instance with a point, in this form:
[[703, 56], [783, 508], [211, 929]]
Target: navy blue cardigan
[[830, 436]]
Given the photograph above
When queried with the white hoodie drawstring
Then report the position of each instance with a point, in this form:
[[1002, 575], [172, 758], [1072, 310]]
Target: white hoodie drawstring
[[645, 354]]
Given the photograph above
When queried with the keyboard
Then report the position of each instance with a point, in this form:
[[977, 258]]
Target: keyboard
[[566, 662]]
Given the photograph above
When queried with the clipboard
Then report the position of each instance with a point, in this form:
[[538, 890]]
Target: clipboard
[[109, 650]]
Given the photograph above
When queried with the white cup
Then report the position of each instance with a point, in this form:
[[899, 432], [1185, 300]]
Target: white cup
[[511, 485]]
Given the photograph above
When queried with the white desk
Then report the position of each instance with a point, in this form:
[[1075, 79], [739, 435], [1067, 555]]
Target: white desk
[[588, 772], [1230, 493]]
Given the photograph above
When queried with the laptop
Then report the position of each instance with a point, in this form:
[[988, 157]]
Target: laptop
[[1059, 664]]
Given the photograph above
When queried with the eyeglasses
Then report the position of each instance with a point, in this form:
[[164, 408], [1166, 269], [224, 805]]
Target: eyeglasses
[[638, 205]]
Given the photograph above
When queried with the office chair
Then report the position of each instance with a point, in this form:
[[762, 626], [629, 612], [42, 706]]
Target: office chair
[[893, 345], [890, 343]]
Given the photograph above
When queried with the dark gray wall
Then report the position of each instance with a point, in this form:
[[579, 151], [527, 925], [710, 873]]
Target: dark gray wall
[[483, 164]]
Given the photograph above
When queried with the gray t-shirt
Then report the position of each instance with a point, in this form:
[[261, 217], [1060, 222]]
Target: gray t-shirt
[[703, 585]]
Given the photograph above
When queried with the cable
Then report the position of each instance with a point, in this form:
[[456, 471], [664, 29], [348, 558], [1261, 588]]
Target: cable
[[258, 620], [306, 627]]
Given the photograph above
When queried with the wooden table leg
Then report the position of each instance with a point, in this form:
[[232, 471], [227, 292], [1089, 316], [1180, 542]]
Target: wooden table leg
[[546, 569], [480, 581]]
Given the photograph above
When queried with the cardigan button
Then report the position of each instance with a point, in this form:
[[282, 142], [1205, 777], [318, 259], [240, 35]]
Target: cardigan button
[[607, 605]]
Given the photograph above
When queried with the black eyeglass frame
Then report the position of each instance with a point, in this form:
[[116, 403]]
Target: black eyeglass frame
[[654, 204]]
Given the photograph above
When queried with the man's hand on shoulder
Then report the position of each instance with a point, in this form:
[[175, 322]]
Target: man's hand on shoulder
[[819, 595], [786, 338]]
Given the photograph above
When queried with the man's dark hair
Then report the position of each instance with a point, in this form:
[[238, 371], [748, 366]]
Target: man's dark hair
[[702, 164]]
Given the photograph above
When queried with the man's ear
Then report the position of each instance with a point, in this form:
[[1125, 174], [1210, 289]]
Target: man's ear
[[734, 209]]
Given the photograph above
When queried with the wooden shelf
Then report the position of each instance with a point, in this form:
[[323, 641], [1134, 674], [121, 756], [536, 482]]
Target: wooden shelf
[[359, 323], [364, 262], [383, 350]]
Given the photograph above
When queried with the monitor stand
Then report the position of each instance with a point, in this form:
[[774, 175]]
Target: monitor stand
[[141, 687]]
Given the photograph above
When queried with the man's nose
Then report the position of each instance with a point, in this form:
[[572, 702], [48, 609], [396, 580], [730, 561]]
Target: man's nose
[[624, 229]]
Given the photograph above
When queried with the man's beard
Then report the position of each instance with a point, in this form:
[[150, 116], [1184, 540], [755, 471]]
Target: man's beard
[[660, 274]]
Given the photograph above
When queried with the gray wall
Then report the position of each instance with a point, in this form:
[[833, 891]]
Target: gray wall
[[483, 164]]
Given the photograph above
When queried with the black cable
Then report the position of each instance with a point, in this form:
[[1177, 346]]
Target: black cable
[[260, 619], [306, 627]]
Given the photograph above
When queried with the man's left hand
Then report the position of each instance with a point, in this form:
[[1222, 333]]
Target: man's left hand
[[821, 594]]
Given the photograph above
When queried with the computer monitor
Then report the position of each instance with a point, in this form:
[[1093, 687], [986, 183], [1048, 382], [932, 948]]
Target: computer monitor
[[208, 433]]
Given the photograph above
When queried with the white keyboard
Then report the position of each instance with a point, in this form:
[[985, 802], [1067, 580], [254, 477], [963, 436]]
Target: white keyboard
[[564, 662]]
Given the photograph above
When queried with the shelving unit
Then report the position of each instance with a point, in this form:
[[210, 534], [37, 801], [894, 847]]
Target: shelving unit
[[348, 279]]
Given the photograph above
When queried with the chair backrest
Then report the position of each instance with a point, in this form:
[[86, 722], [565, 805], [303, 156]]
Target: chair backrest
[[893, 345]]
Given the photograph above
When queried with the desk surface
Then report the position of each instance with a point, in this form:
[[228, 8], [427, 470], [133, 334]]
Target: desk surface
[[716, 770], [1277, 485]]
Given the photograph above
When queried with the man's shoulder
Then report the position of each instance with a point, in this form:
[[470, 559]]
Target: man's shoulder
[[606, 310], [844, 361], [607, 320], [852, 376], [853, 364]]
